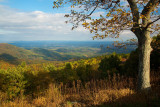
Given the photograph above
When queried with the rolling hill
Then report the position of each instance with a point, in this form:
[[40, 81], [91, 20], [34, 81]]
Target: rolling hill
[[50, 55], [53, 52], [17, 52], [13, 54]]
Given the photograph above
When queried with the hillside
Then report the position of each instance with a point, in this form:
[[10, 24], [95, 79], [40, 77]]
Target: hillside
[[16, 52], [9, 58], [50, 55], [54, 51], [13, 54], [82, 52]]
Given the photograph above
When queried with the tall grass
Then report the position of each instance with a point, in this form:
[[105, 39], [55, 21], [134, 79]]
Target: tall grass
[[114, 91]]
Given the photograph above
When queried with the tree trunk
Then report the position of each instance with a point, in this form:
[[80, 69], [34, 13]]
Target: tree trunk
[[145, 49]]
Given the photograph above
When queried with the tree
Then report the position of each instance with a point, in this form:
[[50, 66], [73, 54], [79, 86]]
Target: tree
[[139, 16], [109, 65]]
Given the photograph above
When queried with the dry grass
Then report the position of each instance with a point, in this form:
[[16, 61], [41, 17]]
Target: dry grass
[[51, 98], [103, 96], [17, 103], [116, 91]]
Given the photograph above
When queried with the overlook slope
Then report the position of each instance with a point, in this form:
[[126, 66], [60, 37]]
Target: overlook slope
[[17, 52]]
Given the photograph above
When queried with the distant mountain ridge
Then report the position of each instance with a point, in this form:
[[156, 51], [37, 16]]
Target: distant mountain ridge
[[59, 44], [39, 51], [13, 54], [17, 52], [50, 55]]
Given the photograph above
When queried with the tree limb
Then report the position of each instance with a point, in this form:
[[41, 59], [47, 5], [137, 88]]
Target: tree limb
[[152, 22], [135, 12], [93, 10], [149, 7]]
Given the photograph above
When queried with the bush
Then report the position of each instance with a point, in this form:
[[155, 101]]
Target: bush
[[131, 65], [110, 64], [13, 81]]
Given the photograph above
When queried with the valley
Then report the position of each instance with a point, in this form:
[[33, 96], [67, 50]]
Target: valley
[[42, 51]]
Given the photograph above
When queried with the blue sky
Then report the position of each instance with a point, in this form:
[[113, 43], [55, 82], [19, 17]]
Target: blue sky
[[29, 20], [32, 5]]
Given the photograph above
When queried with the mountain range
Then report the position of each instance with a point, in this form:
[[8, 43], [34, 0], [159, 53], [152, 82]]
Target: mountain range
[[14, 54], [39, 51]]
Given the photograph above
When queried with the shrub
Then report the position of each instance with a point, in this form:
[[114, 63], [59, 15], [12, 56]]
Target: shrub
[[37, 83], [110, 64], [13, 82], [131, 65]]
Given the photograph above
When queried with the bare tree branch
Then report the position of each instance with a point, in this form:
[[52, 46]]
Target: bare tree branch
[[93, 10], [152, 22]]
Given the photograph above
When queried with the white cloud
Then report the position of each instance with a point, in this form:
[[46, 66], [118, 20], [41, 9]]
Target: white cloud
[[127, 34], [97, 14], [8, 32], [37, 25]]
